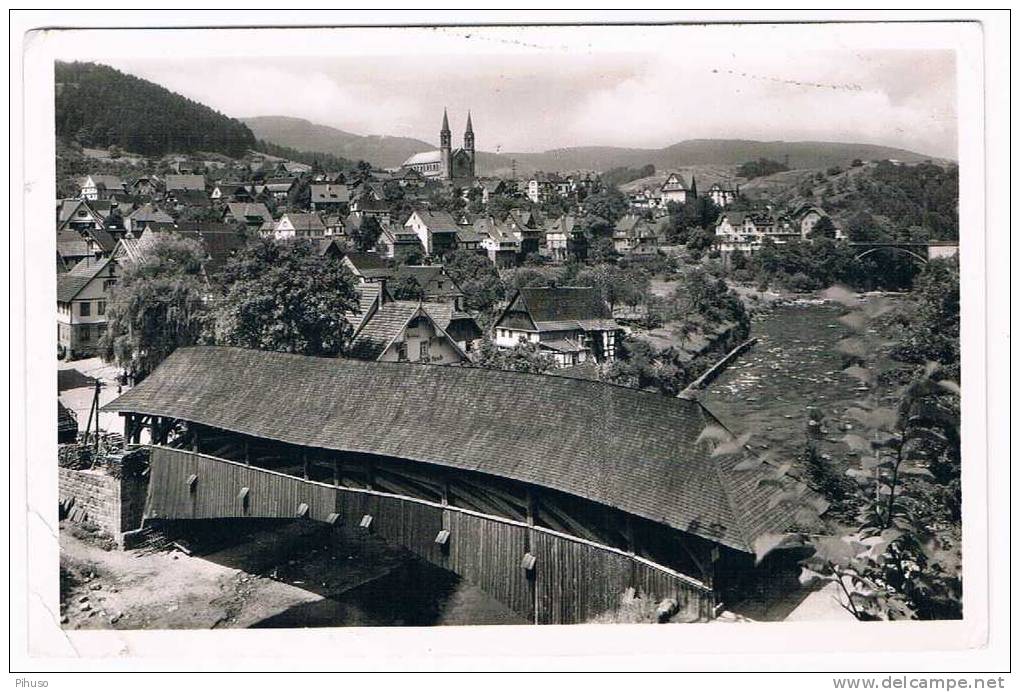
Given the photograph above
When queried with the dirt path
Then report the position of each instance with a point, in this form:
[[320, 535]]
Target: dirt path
[[103, 589]]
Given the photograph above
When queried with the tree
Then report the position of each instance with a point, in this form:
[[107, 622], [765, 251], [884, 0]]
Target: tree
[[406, 287], [823, 228], [477, 278], [366, 234], [283, 296], [524, 357], [616, 285], [760, 168], [902, 560], [931, 327], [157, 306]]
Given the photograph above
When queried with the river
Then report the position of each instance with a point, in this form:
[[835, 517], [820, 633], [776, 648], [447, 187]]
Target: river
[[769, 390]]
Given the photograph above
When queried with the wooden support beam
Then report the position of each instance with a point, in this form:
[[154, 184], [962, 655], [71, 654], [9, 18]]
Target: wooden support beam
[[304, 464], [247, 453], [336, 471]]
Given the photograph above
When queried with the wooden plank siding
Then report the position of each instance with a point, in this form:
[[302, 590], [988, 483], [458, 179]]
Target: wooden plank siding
[[573, 581]]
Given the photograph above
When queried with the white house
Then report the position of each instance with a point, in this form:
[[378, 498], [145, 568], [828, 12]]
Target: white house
[[83, 296]]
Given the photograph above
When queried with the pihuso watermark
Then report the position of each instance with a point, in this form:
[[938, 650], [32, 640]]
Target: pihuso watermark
[[26, 682], [908, 682]]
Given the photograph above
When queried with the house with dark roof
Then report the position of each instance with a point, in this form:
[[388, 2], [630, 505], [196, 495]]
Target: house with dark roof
[[83, 295], [633, 235], [174, 183], [183, 199], [368, 267], [398, 242], [564, 238], [723, 194], [231, 191], [73, 246], [675, 189], [144, 215], [436, 230], [254, 215], [403, 331], [280, 188], [571, 324], [96, 187], [295, 225], [78, 215], [329, 197], [433, 283], [500, 243]]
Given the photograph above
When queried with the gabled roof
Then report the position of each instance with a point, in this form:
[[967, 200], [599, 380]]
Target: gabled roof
[[554, 307], [185, 182], [676, 185], [369, 264], [70, 284], [71, 244], [434, 156], [245, 210], [69, 207], [192, 198], [426, 274], [437, 221], [642, 453], [149, 213], [330, 194], [303, 222], [110, 182], [381, 328]]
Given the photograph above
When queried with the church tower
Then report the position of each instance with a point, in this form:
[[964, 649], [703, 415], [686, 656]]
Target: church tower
[[469, 143], [445, 148]]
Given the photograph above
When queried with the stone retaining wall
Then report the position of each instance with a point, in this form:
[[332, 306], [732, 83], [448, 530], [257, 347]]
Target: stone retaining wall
[[115, 505]]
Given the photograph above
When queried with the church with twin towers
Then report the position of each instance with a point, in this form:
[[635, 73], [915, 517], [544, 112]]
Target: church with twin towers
[[447, 163]]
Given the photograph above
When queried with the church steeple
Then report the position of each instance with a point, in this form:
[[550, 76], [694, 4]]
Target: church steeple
[[444, 132], [469, 136], [445, 147]]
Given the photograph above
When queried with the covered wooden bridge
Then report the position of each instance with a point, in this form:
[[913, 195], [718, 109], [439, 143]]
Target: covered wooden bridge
[[555, 495]]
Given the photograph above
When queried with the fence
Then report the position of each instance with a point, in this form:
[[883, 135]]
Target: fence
[[543, 575]]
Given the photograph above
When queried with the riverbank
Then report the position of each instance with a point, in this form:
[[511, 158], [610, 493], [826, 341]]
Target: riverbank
[[260, 574]]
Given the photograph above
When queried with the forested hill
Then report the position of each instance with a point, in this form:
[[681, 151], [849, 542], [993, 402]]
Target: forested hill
[[99, 106]]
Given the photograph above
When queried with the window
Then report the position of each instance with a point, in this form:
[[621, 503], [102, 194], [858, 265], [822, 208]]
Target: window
[[108, 284], [101, 307], [402, 351], [86, 333], [84, 309], [423, 351]]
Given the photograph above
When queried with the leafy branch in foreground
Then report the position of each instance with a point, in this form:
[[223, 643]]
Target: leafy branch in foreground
[[899, 562]]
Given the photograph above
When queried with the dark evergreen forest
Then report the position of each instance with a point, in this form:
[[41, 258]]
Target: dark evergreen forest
[[99, 106]]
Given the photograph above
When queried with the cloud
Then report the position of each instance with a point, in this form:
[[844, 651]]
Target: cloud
[[620, 96]]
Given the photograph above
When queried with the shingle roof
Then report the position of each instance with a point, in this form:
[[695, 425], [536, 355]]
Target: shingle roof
[[243, 210], [437, 221], [378, 331], [370, 265], [559, 304], [150, 214], [637, 451], [185, 182], [336, 194], [71, 283], [305, 222]]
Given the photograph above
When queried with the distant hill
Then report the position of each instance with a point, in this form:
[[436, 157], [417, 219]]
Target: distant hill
[[98, 106], [389, 152], [716, 152], [296, 133]]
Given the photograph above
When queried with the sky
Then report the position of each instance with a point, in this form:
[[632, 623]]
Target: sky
[[543, 88]]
